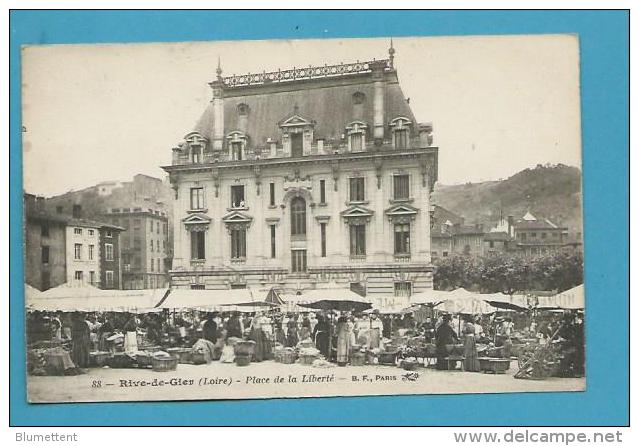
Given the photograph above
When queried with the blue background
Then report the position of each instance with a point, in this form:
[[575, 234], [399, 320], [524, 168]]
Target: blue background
[[604, 85]]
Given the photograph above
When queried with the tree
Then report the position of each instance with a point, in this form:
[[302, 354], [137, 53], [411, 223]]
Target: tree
[[510, 273]]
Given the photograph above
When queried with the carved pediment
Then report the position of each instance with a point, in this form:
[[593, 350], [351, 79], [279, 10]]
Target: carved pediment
[[296, 120], [195, 138], [401, 212], [356, 126], [237, 218], [357, 215], [236, 136], [197, 222], [400, 122]]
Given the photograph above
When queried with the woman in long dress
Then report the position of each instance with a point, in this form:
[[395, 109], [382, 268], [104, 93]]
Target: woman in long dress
[[258, 336], [81, 336], [343, 341], [292, 337], [279, 335], [471, 363], [305, 331], [321, 335], [131, 335]]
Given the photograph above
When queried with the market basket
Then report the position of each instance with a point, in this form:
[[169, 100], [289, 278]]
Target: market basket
[[387, 358], [99, 359], [143, 359], [494, 365], [161, 364], [244, 348], [287, 357], [242, 361], [358, 359], [409, 365], [121, 361], [183, 355], [198, 358]]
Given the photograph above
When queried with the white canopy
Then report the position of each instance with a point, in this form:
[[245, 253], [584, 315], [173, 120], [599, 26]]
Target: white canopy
[[93, 299], [327, 294], [391, 309], [430, 297], [457, 301], [572, 299], [206, 299]]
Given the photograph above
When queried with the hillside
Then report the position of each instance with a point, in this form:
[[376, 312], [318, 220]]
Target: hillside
[[550, 191]]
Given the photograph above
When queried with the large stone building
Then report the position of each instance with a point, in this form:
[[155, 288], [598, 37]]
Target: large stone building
[[306, 178]]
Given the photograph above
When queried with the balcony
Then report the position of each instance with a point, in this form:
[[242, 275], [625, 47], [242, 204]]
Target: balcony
[[328, 147], [402, 258]]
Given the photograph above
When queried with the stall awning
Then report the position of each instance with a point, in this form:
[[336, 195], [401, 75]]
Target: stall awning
[[430, 297], [462, 301], [206, 299], [94, 299], [572, 299], [341, 299]]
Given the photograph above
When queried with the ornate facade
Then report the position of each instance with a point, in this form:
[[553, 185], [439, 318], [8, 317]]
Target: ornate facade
[[306, 178]]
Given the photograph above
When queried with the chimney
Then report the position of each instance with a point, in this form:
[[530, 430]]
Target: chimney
[[29, 202], [218, 109], [39, 203], [425, 135], [242, 118], [77, 211], [379, 84], [511, 226]]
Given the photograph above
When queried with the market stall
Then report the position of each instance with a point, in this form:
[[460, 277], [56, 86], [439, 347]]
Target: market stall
[[572, 299]]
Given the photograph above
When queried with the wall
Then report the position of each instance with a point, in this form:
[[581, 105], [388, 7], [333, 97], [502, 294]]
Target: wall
[[378, 270], [110, 265], [33, 266], [85, 265]]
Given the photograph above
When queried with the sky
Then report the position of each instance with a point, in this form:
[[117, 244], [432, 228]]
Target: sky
[[94, 113]]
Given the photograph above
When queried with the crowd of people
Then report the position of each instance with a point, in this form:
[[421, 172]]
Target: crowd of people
[[334, 334]]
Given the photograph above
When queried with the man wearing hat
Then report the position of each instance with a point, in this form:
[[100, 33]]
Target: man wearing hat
[[445, 335]]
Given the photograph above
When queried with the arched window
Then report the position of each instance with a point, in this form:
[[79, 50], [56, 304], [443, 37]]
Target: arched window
[[298, 216]]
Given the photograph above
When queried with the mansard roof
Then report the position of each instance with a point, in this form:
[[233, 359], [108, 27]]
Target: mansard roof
[[326, 101]]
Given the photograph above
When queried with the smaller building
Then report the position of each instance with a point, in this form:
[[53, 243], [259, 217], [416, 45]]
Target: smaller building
[[69, 249], [110, 257], [538, 236], [44, 247], [498, 242], [469, 239], [146, 251], [83, 251]]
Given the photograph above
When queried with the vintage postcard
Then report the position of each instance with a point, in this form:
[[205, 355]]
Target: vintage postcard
[[303, 218]]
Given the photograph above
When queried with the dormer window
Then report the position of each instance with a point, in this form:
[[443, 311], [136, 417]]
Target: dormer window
[[356, 133], [196, 154], [196, 144], [237, 142], [236, 151], [297, 134], [400, 128]]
